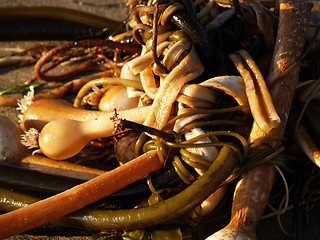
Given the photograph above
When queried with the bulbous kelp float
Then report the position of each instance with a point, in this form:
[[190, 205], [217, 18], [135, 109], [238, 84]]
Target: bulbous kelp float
[[187, 97]]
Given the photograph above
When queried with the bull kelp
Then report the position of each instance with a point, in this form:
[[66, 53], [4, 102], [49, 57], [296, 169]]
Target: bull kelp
[[193, 100]]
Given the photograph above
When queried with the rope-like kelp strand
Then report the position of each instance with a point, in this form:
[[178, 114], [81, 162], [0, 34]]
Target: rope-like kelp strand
[[204, 111]]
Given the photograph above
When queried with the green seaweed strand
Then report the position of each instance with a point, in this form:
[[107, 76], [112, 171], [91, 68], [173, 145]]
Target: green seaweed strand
[[140, 218]]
